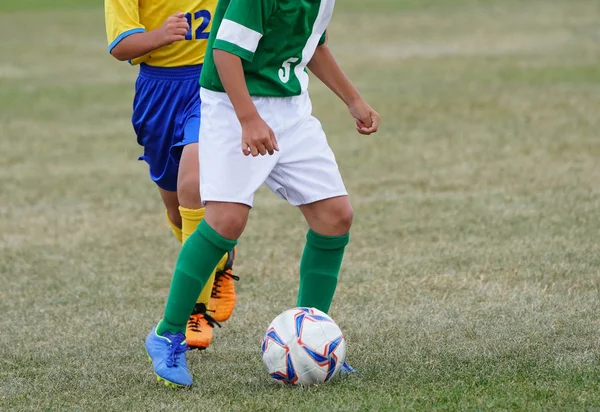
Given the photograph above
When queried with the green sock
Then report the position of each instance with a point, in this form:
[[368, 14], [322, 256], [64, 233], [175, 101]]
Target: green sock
[[198, 257], [319, 269]]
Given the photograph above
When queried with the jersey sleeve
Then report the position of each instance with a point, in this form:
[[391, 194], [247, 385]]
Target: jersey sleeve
[[323, 39], [122, 20], [243, 25]]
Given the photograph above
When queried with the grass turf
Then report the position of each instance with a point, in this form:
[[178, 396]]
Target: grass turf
[[472, 279]]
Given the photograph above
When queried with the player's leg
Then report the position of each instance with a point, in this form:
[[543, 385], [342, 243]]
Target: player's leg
[[199, 331], [228, 181], [308, 177], [199, 255], [329, 221], [216, 235], [219, 295]]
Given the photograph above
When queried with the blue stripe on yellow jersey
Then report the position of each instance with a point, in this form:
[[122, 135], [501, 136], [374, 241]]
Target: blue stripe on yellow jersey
[[127, 17]]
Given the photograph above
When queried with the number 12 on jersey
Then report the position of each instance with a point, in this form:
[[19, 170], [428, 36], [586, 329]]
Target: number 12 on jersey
[[201, 33]]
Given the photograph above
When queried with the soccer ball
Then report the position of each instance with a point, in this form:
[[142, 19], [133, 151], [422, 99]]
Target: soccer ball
[[303, 346]]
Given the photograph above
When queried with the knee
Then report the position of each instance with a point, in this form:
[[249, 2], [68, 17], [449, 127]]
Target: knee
[[188, 190], [337, 221], [230, 226], [342, 219], [331, 217], [229, 221]]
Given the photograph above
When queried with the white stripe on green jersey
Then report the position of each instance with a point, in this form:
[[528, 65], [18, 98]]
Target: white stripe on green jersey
[[234, 33], [318, 30], [275, 39]]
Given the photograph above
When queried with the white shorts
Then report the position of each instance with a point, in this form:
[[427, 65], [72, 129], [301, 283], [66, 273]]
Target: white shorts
[[303, 171]]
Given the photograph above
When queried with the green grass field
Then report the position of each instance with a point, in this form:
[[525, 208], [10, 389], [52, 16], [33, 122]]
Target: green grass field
[[472, 280]]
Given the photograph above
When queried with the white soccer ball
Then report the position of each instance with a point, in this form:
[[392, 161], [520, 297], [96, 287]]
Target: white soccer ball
[[303, 346]]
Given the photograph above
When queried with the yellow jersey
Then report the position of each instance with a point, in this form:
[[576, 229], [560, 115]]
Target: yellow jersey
[[127, 17]]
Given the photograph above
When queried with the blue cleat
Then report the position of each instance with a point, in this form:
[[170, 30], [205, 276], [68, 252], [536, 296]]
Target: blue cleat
[[167, 353], [347, 369]]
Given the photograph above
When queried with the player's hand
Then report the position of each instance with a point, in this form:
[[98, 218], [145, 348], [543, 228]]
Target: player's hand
[[174, 29], [367, 119], [257, 137]]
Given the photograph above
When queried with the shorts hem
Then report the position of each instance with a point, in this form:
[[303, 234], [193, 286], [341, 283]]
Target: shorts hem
[[317, 198], [176, 150], [224, 199], [165, 185]]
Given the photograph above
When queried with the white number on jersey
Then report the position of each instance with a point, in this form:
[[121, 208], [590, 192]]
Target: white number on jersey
[[284, 72]]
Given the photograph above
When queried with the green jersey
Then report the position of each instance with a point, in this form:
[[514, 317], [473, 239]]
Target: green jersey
[[275, 40]]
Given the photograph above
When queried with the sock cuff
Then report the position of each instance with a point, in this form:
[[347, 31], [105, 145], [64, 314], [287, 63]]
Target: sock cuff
[[327, 242], [164, 326], [213, 237], [191, 214]]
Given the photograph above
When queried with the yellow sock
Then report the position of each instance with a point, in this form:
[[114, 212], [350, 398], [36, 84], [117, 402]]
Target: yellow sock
[[190, 219], [176, 231]]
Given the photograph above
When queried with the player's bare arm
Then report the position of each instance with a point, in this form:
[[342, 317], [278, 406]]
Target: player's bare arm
[[326, 68], [257, 136], [138, 44]]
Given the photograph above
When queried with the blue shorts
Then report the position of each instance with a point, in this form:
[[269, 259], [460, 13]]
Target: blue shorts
[[166, 117]]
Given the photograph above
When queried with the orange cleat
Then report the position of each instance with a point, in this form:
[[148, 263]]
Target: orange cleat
[[222, 298], [199, 330]]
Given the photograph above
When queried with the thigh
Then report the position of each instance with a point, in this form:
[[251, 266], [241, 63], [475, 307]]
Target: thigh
[[185, 152], [226, 175], [188, 179], [307, 171]]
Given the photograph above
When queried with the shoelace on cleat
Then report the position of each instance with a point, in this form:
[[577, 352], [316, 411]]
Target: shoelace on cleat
[[195, 324], [219, 276], [211, 321], [175, 351]]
